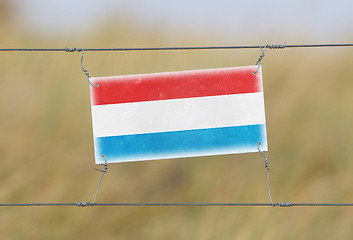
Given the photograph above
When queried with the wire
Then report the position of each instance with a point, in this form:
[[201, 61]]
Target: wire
[[273, 46], [35, 204], [87, 204], [285, 204], [103, 172]]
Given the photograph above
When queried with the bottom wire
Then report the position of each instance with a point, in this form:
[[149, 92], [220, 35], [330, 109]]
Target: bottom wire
[[84, 204]]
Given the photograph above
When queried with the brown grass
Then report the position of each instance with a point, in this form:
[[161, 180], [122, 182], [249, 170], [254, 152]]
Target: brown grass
[[47, 148]]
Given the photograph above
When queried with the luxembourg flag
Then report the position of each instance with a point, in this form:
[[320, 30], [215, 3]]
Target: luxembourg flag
[[178, 114]]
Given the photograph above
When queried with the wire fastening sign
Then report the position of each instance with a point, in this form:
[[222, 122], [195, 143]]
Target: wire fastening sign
[[178, 114]]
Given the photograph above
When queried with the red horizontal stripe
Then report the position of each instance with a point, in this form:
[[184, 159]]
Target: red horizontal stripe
[[174, 85]]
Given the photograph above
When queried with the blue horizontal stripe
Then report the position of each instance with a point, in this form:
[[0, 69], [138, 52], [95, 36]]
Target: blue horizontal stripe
[[189, 143]]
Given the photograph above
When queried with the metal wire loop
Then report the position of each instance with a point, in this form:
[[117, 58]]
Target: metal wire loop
[[105, 164], [263, 154], [85, 71], [103, 172], [260, 59], [273, 46]]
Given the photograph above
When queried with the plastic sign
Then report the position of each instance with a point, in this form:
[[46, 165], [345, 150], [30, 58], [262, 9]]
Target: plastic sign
[[178, 114]]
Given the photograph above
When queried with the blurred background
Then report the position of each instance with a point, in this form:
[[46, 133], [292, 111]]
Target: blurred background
[[46, 137]]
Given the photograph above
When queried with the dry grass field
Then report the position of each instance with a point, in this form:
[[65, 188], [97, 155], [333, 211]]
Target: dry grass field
[[46, 145]]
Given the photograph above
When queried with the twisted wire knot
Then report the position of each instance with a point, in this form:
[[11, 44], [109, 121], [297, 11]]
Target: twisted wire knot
[[283, 204], [273, 46], [84, 204], [267, 164], [68, 49], [276, 46]]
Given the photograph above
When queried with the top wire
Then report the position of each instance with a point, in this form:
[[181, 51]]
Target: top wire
[[272, 46]]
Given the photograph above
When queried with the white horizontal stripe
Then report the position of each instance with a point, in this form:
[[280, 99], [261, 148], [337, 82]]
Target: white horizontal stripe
[[178, 114]]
